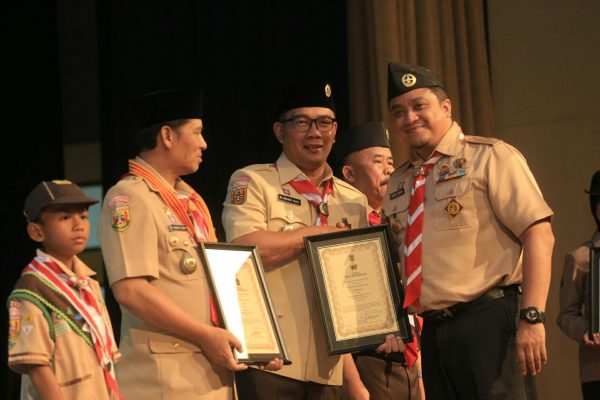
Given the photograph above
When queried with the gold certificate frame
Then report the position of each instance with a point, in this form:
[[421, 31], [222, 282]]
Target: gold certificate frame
[[594, 290], [237, 279], [357, 284]]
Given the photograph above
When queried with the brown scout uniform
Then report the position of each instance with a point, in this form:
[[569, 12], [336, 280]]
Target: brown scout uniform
[[153, 243], [473, 217], [32, 341], [573, 317], [259, 197]]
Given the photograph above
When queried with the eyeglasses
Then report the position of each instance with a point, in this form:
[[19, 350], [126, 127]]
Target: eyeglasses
[[303, 124]]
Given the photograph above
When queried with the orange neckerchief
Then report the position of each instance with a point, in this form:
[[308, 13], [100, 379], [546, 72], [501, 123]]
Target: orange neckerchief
[[169, 196]]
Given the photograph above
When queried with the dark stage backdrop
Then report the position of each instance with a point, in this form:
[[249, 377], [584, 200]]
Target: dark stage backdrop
[[239, 53], [60, 57]]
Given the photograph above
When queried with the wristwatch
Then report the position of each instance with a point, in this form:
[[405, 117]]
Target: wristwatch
[[533, 315]]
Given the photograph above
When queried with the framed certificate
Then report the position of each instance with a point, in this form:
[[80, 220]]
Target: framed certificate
[[594, 290], [357, 284], [237, 279]]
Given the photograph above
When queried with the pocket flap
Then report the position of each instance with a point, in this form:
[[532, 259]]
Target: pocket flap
[[452, 188], [165, 344]]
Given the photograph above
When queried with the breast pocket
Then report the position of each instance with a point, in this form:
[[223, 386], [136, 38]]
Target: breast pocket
[[454, 206], [182, 256], [287, 217]]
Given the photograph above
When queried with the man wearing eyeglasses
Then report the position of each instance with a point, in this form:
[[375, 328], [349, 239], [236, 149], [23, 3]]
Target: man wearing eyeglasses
[[274, 206]]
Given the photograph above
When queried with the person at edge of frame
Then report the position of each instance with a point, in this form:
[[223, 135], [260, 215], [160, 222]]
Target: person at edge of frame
[[574, 299], [476, 235], [151, 226]]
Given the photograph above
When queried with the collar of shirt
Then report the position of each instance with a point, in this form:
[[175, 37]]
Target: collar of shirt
[[449, 145], [180, 186], [79, 269], [288, 170]]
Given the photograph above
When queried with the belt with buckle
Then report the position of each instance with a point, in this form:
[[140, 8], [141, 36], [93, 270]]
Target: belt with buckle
[[458, 308]]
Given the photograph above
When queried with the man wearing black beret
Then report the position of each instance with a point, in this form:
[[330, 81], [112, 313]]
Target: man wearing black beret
[[475, 232]]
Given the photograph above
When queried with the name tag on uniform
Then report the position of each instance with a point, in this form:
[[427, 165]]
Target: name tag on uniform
[[177, 228], [397, 193], [289, 199]]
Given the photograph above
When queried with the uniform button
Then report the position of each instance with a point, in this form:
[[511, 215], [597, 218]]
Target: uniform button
[[175, 345], [290, 216], [279, 316], [173, 241], [186, 242]]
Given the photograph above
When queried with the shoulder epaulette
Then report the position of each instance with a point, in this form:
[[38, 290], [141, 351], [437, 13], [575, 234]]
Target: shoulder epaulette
[[482, 140], [345, 184]]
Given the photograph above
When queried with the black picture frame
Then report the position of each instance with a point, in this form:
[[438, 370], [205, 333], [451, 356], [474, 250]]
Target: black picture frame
[[594, 306], [223, 263], [347, 252]]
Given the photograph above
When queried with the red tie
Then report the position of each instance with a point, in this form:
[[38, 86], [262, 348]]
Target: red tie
[[374, 218], [306, 188], [411, 353], [414, 230]]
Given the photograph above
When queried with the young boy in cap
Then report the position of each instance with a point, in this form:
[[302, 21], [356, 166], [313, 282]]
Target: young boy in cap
[[60, 337], [573, 316]]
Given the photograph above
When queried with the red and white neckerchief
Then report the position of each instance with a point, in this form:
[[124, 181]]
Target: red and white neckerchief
[[77, 291], [414, 231], [306, 188]]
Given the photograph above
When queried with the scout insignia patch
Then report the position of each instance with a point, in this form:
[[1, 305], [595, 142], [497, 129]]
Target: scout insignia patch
[[453, 208], [460, 162], [238, 195], [121, 218]]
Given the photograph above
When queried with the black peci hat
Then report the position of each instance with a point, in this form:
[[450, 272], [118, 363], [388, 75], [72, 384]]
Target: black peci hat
[[48, 193], [166, 105], [370, 134], [307, 93], [403, 78]]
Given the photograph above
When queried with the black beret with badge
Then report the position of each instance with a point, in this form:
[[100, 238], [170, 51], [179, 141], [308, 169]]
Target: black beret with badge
[[166, 105], [403, 78], [306, 93], [49, 193], [363, 136]]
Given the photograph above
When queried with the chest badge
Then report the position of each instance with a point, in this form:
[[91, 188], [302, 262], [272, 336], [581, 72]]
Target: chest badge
[[188, 264], [460, 163], [453, 208], [323, 209]]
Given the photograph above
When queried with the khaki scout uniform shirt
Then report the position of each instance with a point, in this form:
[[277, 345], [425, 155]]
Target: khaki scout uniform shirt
[[154, 244], [73, 361], [259, 197], [471, 221], [573, 317]]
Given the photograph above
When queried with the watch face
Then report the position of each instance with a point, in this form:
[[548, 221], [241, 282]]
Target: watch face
[[532, 314]]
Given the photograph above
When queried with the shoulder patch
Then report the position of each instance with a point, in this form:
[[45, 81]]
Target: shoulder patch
[[482, 140], [121, 217]]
